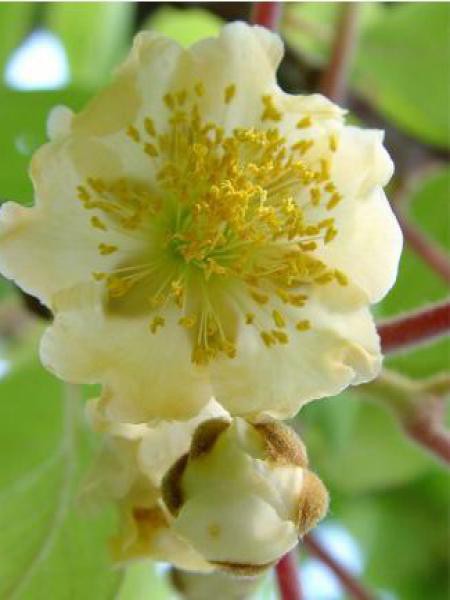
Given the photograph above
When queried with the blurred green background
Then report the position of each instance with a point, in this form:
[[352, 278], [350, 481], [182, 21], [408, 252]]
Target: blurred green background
[[388, 521]]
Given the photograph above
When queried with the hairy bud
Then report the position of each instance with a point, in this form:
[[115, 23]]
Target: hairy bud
[[243, 494]]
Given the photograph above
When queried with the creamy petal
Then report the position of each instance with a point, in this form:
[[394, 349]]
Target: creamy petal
[[361, 162], [151, 376], [368, 245], [341, 348], [238, 528], [52, 246]]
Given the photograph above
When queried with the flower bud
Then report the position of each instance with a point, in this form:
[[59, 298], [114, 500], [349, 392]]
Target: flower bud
[[243, 494], [128, 471]]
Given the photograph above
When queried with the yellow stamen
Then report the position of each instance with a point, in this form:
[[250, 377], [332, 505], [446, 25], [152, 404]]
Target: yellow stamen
[[229, 93], [303, 325]]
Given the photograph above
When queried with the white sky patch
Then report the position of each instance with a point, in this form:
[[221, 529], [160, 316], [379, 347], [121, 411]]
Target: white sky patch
[[5, 367], [40, 63], [318, 581]]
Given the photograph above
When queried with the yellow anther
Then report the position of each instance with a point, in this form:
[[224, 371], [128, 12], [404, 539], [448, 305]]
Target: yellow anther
[[303, 146], [308, 246], [83, 194], [199, 89], [99, 276], [334, 200], [229, 93], [188, 322], [278, 318], [107, 248], [325, 278], [305, 122], [330, 235], [267, 338], [330, 187], [98, 223], [280, 336], [270, 113], [151, 150], [156, 323], [177, 291], [325, 223], [97, 185], [249, 318], [229, 348], [133, 133], [303, 325], [325, 167], [297, 299], [333, 142], [149, 126], [283, 295], [259, 298], [181, 97], [341, 277], [315, 194], [169, 101]]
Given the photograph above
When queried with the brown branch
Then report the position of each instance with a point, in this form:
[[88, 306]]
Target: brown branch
[[288, 577], [418, 407], [335, 78], [415, 328], [267, 14], [431, 435], [351, 585]]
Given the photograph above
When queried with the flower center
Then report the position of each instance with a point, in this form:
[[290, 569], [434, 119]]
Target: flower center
[[225, 225]]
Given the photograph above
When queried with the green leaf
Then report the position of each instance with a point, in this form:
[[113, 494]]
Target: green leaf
[[48, 547], [405, 547], [401, 62], [429, 206], [402, 67], [370, 454], [186, 26], [15, 22], [96, 36], [309, 27], [140, 580], [417, 285], [23, 116]]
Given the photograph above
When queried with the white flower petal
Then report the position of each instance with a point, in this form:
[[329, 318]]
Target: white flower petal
[[368, 245], [234, 527], [151, 376], [341, 349], [361, 162]]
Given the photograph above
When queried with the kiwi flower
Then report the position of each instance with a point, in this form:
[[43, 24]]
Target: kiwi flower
[[198, 232]]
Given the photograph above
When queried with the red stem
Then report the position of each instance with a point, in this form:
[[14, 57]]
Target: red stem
[[288, 577], [415, 328], [267, 14], [430, 434], [335, 78], [351, 585], [425, 248]]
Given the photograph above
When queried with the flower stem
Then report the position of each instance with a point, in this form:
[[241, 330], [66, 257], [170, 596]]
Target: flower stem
[[425, 248], [415, 328], [267, 14], [418, 407], [335, 78], [288, 577], [432, 436], [351, 585]]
